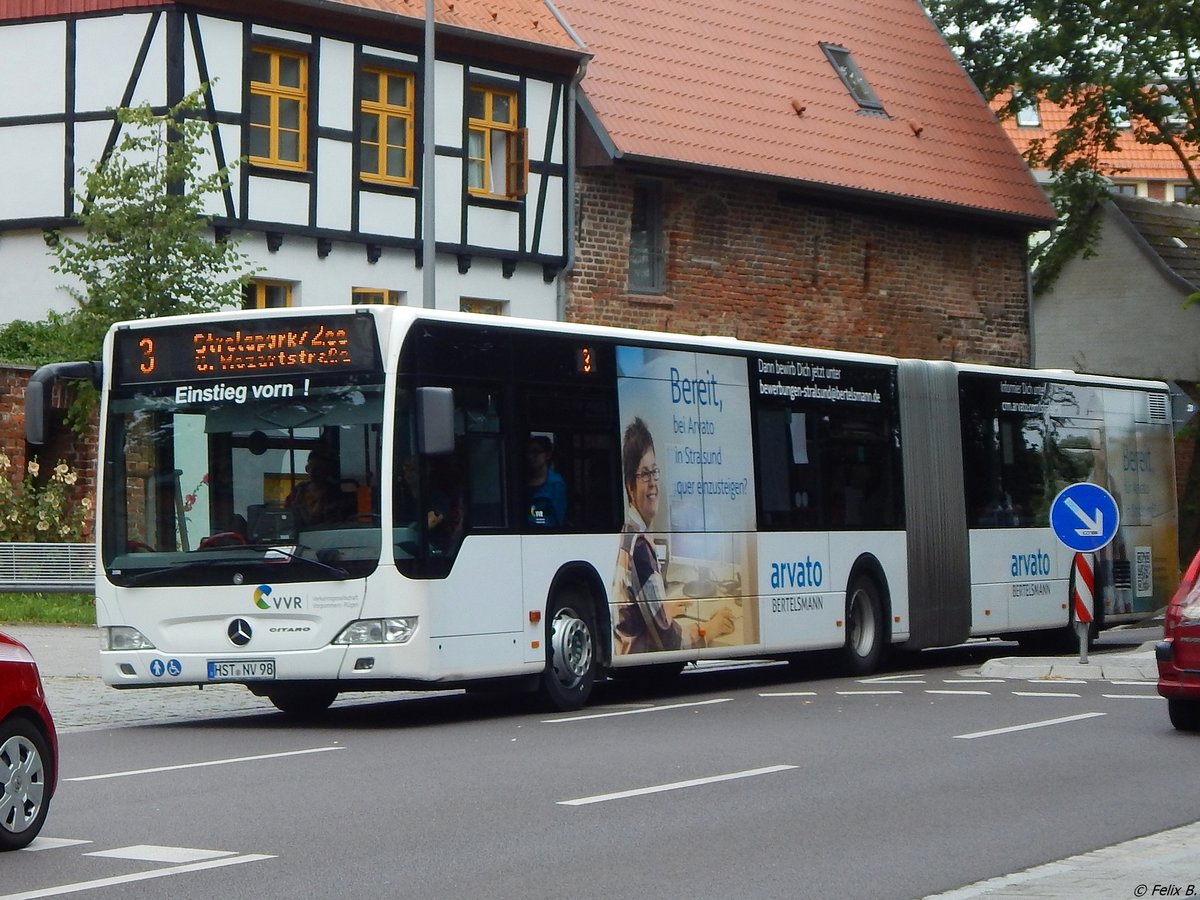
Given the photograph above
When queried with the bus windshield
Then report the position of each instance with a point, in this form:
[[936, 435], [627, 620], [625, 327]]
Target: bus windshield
[[217, 485]]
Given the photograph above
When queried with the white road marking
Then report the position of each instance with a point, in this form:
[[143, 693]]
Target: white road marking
[[1044, 694], [200, 765], [49, 843], [634, 712], [866, 693], [962, 693], [787, 694], [903, 679], [80, 886], [1011, 728], [158, 854], [1133, 696], [974, 680], [674, 786]]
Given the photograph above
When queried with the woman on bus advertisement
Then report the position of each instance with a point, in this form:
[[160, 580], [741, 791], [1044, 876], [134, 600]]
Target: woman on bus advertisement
[[683, 560]]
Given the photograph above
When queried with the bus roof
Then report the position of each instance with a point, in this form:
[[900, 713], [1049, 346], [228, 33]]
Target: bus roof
[[402, 317]]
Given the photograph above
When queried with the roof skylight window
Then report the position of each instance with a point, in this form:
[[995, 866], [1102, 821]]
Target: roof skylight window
[[852, 77], [1027, 113]]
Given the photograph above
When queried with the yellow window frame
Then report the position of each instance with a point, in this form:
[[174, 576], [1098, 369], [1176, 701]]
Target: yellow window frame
[[258, 294], [360, 295], [516, 159], [383, 110], [276, 94]]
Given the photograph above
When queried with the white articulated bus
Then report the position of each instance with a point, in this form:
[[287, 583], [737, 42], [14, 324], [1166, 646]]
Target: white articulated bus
[[321, 500]]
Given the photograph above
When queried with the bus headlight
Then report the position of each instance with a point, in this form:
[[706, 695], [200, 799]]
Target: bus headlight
[[124, 637], [379, 631]]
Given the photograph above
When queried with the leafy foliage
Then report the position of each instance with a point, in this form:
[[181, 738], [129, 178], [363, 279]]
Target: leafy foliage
[[1115, 64], [38, 343]]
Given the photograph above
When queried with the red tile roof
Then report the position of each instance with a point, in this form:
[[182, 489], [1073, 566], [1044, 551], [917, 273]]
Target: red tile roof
[[531, 21], [712, 83], [1130, 161], [526, 21]]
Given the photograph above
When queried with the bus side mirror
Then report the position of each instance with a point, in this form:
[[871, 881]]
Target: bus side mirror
[[435, 420], [40, 392]]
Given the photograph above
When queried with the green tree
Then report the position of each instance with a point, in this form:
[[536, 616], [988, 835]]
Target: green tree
[[1114, 63], [144, 250]]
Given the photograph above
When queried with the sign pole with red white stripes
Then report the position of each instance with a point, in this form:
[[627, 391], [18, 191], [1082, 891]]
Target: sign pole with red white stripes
[[1083, 594], [1085, 518]]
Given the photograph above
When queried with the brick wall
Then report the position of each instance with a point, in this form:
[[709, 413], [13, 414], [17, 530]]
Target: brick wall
[[78, 451], [742, 262]]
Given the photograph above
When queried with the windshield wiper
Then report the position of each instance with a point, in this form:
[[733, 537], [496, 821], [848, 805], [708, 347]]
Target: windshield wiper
[[150, 574], [341, 573]]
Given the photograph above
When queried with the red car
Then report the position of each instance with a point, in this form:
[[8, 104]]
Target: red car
[[28, 747], [1178, 653]]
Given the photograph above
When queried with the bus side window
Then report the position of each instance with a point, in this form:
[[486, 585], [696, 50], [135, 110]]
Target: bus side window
[[579, 424], [482, 456]]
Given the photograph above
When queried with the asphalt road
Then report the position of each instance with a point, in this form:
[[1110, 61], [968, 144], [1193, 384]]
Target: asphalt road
[[747, 782]]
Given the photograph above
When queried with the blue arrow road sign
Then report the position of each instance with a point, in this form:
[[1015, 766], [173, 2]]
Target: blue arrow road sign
[[1085, 517]]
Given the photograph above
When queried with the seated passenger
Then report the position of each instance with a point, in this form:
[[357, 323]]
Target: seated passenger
[[546, 490]]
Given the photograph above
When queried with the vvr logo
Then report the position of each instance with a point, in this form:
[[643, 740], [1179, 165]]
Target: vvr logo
[[264, 600]]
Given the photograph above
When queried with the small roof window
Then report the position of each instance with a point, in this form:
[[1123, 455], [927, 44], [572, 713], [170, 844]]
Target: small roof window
[[852, 77], [1027, 113]]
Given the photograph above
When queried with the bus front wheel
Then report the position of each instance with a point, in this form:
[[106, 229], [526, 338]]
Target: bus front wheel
[[865, 631], [302, 701], [571, 646]]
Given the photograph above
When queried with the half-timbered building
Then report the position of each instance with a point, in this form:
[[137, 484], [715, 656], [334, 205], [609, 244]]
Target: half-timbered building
[[319, 104]]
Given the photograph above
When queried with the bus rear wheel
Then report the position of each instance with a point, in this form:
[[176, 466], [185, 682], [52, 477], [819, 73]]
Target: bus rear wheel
[[865, 631], [571, 644]]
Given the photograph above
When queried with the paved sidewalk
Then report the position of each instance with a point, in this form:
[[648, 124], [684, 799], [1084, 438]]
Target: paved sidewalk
[[1166, 864], [1113, 666]]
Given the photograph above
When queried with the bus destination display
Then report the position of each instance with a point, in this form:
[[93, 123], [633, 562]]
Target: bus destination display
[[336, 345]]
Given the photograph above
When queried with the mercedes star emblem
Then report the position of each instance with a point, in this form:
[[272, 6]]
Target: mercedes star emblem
[[239, 632]]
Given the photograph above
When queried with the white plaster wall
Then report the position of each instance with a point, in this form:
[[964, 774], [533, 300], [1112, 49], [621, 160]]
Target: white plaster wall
[[28, 289], [447, 104], [538, 95], [388, 214], [552, 214], [336, 89], [90, 138], [449, 190], [32, 172], [335, 160], [29, 48], [106, 50], [389, 54], [230, 137], [298, 37], [223, 53], [274, 200], [487, 227]]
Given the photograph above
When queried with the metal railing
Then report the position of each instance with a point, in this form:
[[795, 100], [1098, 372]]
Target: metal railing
[[47, 567]]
